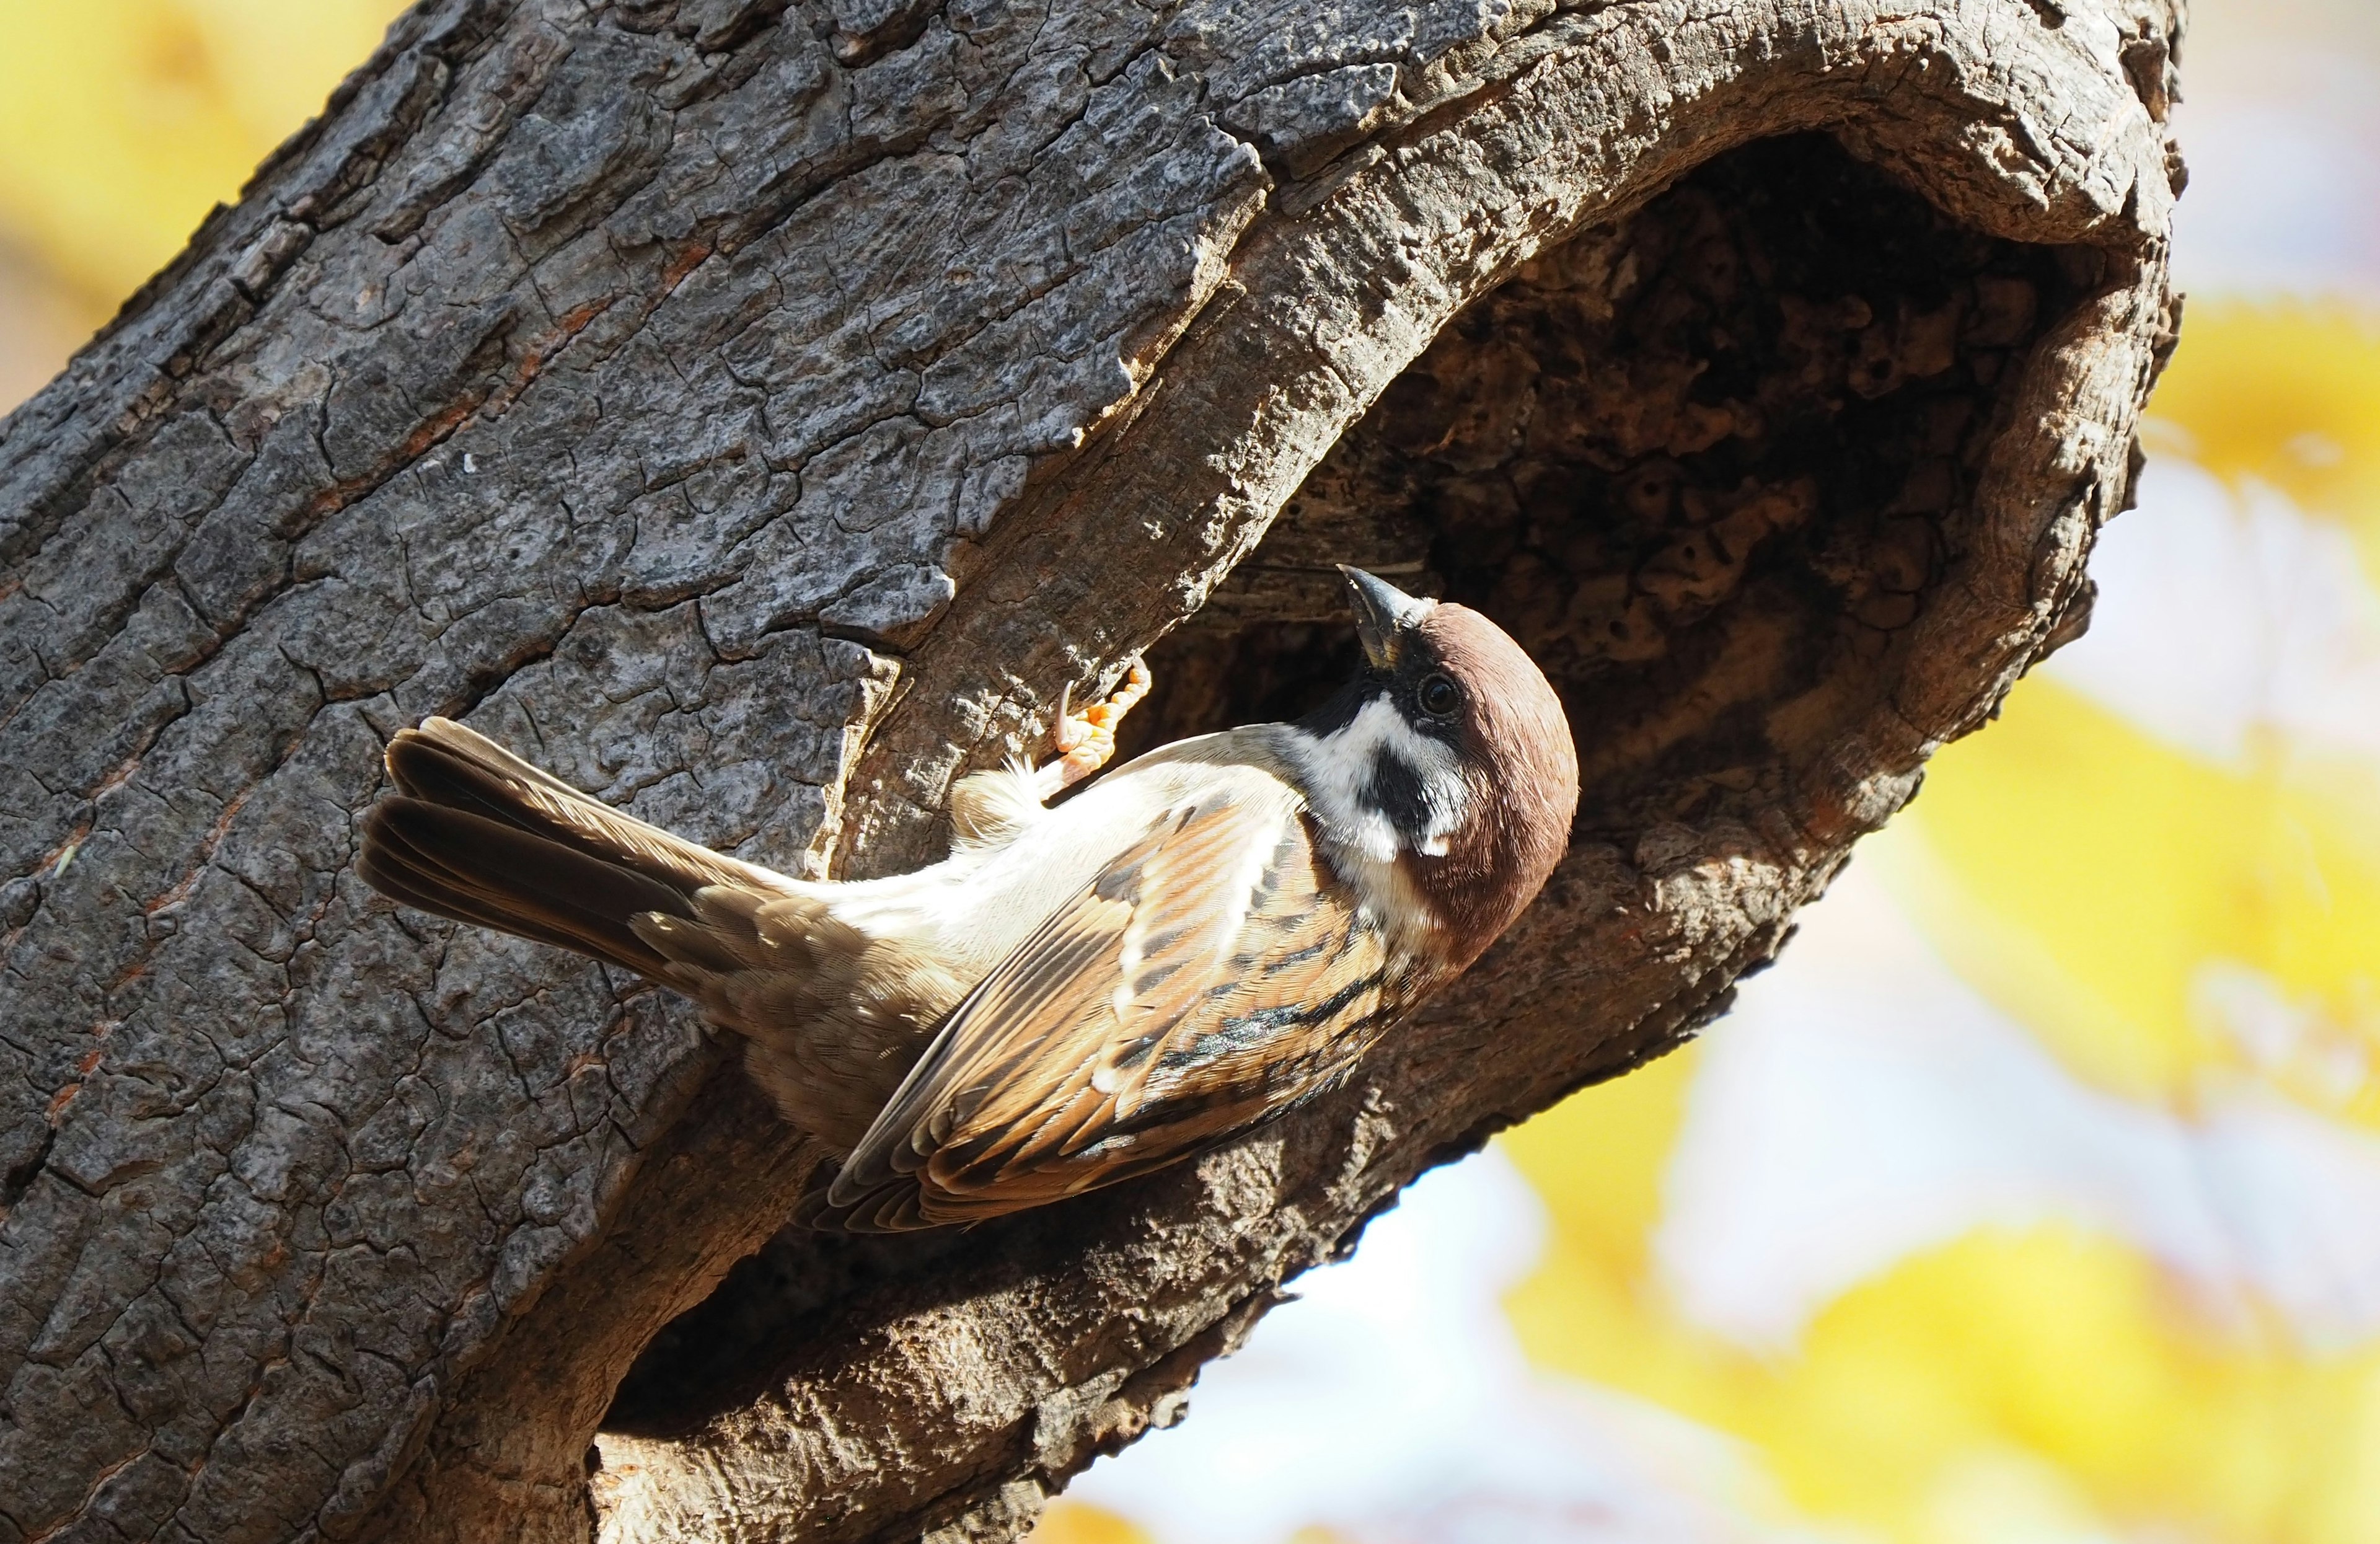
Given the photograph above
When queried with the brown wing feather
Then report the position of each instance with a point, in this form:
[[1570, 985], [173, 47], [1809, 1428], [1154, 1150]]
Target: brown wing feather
[[1214, 975]]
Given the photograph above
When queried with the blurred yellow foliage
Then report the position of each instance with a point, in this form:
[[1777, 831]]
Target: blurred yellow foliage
[[122, 122], [2032, 1384], [2090, 879], [1597, 1158], [2287, 394], [1072, 1522]]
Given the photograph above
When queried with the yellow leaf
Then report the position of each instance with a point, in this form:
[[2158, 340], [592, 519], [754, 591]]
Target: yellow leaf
[[122, 122], [2288, 395], [2095, 883], [1066, 1521]]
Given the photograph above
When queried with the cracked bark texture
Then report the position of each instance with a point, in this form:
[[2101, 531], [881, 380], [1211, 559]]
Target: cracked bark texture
[[757, 412]]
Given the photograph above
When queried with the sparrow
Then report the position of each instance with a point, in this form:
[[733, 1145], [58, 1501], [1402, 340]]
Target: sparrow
[[1206, 937]]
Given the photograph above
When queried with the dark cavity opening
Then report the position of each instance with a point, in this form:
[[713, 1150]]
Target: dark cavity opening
[[1705, 465], [725, 1351]]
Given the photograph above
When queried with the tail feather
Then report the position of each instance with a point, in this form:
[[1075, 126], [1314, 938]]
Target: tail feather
[[474, 869], [478, 835], [835, 1016], [444, 763]]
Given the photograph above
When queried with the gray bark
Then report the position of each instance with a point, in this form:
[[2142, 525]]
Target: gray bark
[[757, 412]]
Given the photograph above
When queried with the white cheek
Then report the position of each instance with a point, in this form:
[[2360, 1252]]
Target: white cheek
[[1340, 769]]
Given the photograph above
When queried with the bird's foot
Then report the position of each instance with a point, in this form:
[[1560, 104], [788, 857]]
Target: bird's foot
[[1085, 741]]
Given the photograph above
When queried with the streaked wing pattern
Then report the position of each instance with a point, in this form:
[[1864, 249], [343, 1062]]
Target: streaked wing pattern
[[1216, 973]]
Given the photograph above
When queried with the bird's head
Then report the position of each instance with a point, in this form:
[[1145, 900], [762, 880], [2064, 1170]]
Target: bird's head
[[1448, 756]]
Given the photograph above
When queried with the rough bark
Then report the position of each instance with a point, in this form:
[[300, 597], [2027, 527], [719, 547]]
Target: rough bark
[[757, 412]]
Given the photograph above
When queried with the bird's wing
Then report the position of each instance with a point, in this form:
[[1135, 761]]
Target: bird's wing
[[1214, 973]]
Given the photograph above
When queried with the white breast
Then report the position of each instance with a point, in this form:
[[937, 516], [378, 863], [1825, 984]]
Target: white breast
[[971, 910]]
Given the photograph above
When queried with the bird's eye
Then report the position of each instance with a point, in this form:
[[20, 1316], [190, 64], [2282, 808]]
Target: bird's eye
[[1439, 696]]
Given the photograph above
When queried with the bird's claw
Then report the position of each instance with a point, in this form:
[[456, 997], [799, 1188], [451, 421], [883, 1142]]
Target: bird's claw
[[1085, 741]]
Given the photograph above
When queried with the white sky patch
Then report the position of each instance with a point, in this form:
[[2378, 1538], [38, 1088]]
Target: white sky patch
[[2284, 193], [1392, 1404], [2296, 1041], [1862, 1104], [2222, 614]]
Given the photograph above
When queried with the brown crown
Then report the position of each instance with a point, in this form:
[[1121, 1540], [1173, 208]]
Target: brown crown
[[1523, 768]]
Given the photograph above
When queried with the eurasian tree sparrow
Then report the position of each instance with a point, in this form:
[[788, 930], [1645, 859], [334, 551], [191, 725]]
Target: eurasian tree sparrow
[[1206, 937]]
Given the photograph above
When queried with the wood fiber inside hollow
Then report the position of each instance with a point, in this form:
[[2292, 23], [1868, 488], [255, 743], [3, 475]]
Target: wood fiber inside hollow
[[1705, 465]]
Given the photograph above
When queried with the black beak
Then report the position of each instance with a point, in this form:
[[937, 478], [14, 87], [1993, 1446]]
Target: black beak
[[1382, 614]]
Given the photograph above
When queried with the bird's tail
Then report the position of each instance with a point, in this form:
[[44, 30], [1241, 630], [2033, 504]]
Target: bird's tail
[[478, 835]]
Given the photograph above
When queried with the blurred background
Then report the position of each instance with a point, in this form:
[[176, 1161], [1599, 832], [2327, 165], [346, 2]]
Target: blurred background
[[2033, 1198]]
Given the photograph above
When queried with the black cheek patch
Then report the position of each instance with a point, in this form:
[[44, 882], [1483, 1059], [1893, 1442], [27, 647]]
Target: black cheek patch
[[1398, 792]]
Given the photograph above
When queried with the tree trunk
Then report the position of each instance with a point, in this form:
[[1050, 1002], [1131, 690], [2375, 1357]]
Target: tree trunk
[[757, 412]]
